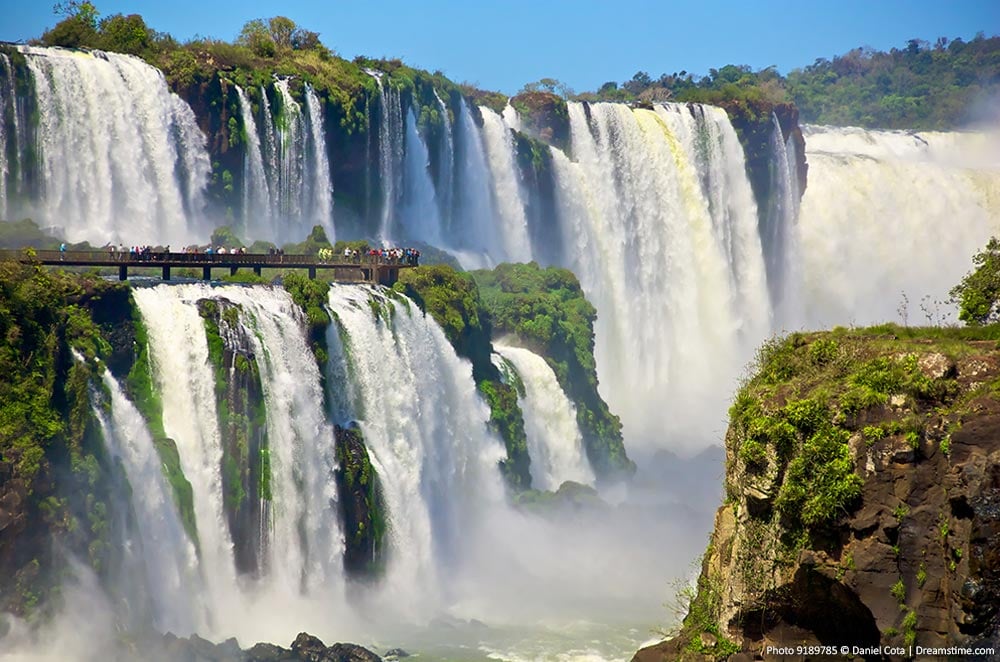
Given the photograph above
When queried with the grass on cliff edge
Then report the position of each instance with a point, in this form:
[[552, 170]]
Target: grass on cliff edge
[[808, 393]]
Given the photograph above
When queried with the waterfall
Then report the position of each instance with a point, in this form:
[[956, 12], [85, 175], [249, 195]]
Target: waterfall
[[257, 209], [166, 554], [121, 157], [425, 428], [473, 234], [320, 187], [889, 213], [390, 143], [185, 381], [305, 539], [511, 118], [708, 138], [6, 94], [555, 444], [271, 157], [287, 187], [777, 231], [672, 262], [506, 188], [446, 173], [291, 159], [419, 214]]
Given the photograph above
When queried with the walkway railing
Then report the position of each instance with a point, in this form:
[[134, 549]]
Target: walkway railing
[[366, 268]]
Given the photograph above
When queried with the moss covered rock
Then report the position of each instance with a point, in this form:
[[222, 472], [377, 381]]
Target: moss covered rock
[[362, 507], [57, 483], [243, 428], [546, 311], [862, 480]]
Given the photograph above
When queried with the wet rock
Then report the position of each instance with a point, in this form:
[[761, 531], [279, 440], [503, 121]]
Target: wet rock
[[269, 653]]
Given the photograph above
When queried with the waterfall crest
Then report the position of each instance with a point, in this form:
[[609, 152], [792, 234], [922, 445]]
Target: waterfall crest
[[888, 213], [670, 258], [419, 212], [507, 192], [121, 157], [258, 211]]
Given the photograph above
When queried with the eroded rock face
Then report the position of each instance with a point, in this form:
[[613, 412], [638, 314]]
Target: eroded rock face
[[914, 561]]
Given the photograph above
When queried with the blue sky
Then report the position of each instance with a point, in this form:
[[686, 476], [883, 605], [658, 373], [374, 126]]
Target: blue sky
[[504, 44]]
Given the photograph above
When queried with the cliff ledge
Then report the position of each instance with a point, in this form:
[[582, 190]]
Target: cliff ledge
[[863, 500]]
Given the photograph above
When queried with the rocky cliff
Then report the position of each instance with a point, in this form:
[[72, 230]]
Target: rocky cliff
[[863, 501]]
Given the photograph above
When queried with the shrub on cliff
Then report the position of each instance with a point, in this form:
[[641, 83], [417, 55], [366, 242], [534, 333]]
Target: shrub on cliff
[[56, 475], [979, 292]]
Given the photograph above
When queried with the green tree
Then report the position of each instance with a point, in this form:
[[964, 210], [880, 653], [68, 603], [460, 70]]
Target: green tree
[[282, 29], [304, 40], [78, 29], [125, 34], [551, 85], [256, 36], [640, 81], [86, 12], [978, 294]]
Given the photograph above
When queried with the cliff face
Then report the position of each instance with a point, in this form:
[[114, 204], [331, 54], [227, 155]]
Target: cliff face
[[863, 500], [59, 489]]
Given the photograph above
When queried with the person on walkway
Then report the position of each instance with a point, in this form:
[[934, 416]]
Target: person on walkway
[[62, 251]]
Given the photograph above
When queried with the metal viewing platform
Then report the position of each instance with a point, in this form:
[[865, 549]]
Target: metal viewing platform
[[363, 269]]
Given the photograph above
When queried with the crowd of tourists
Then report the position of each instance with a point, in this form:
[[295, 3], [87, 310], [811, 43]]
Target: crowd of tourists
[[408, 256], [146, 253], [137, 253]]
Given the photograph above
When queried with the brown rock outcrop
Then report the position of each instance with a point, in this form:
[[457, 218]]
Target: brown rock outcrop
[[915, 561]]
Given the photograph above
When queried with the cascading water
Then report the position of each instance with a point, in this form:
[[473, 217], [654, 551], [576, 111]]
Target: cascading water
[[511, 118], [473, 234], [307, 545], [672, 263], [320, 208], [121, 157], [184, 378], [287, 186], [390, 144], [425, 429], [6, 94], [555, 444], [271, 156], [778, 234], [445, 183], [305, 541], [258, 213], [168, 557], [419, 214], [516, 245], [706, 134], [890, 213], [291, 155]]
